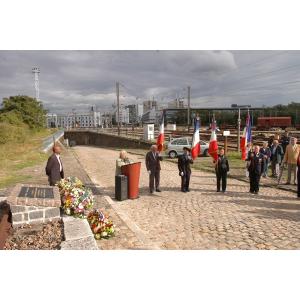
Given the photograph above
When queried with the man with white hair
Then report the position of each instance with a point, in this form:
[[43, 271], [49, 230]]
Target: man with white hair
[[291, 157], [153, 159]]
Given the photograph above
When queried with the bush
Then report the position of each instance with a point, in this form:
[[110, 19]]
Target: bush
[[13, 133], [24, 108]]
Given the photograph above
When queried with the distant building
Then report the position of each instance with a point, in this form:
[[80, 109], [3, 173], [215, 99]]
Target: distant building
[[139, 112], [69, 120], [151, 116], [149, 105], [51, 120], [176, 103], [123, 115], [135, 112]]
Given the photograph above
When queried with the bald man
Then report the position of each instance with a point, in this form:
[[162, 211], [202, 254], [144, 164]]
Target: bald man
[[5, 222], [153, 167], [54, 168]]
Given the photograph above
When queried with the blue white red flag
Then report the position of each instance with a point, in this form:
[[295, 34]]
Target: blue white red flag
[[161, 135], [195, 151]]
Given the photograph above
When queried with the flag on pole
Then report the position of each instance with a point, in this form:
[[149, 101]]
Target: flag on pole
[[246, 137], [195, 151], [244, 144], [213, 143], [161, 135]]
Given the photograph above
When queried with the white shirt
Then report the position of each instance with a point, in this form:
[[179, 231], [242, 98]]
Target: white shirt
[[58, 158]]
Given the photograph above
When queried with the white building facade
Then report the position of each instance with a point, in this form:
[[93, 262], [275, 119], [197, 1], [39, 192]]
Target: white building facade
[[70, 120]]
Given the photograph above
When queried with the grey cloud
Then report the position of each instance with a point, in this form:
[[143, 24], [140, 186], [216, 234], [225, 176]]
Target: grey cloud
[[79, 79]]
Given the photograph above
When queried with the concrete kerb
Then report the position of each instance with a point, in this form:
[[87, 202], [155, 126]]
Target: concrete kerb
[[78, 235], [131, 225]]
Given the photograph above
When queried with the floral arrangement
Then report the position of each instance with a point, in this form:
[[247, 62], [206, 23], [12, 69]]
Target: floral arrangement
[[100, 224], [76, 198]]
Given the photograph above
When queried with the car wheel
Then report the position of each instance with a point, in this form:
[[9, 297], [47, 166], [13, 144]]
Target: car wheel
[[172, 154], [205, 153]]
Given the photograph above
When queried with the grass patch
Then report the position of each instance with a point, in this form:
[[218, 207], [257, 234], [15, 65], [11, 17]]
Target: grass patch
[[13, 179], [15, 156]]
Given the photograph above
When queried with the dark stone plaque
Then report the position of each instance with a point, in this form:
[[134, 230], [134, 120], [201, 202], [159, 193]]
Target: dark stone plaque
[[36, 192]]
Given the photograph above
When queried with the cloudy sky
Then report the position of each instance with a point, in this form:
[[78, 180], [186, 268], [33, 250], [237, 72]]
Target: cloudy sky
[[78, 79]]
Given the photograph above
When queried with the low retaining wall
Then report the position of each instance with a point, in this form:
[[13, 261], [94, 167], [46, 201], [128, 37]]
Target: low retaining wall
[[33, 214], [104, 140]]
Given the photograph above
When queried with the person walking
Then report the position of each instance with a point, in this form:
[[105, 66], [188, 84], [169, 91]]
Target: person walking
[[153, 159], [184, 168], [255, 167], [276, 158], [291, 157], [222, 168], [54, 167], [265, 151]]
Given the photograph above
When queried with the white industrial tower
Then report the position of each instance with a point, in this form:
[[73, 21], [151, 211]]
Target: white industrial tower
[[36, 72]]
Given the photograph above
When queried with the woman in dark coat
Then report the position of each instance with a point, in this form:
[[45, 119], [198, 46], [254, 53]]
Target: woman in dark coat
[[222, 168], [184, 168]]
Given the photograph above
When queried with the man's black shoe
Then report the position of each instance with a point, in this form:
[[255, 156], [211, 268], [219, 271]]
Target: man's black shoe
[[151, 192], [158, 190]]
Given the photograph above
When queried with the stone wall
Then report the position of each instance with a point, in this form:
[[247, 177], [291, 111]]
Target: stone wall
[[23, 214], [104, 140]]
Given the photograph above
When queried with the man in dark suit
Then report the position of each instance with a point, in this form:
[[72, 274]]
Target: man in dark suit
[[222, 168], [54, 168], [184, 168], [153, 159], [255, 161]]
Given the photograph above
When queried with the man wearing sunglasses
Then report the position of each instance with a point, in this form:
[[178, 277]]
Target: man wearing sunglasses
[[5, 222]]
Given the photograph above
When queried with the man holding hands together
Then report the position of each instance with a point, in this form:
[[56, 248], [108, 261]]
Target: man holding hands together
[[153, 159]]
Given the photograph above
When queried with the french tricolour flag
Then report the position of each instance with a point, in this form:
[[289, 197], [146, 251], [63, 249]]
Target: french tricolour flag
[[213, 143], [195, 151], [246, 137], [161, 135]]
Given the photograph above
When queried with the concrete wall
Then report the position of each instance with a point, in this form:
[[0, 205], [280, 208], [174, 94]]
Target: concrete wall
[[104, 140]]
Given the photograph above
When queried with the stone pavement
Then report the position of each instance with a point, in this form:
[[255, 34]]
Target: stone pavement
[[201, 219], [124, 238]]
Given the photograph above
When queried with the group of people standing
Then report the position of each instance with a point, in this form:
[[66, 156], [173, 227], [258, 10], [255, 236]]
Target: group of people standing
[[277, 152]]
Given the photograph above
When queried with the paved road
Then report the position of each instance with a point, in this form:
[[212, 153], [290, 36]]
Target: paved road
[[201, 219]]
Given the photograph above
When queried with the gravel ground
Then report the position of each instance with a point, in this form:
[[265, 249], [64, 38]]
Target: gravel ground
[[46, 236]]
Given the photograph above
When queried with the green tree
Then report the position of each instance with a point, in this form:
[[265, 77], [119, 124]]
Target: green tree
[[24, 108]]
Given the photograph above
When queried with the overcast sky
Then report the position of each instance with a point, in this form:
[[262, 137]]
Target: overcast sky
[[78, 79]]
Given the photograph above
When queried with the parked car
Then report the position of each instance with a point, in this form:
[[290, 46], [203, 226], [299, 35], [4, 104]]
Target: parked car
[[176, 145]]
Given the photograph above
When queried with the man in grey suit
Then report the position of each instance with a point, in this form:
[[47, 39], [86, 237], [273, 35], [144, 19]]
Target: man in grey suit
[[54, 168], [153, 167]]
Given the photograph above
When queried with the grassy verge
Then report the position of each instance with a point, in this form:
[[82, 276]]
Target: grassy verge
[[14, 157]]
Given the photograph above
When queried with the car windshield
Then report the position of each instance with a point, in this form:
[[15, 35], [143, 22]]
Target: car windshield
[[179, 142]]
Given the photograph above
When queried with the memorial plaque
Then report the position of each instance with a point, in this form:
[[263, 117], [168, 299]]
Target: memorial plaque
[[35, 195], [36, 192]]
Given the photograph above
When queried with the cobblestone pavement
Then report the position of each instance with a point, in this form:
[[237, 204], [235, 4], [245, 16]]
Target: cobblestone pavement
[[201, 219], [124, 238]]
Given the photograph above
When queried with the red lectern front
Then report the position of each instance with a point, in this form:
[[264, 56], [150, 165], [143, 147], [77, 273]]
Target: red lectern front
[[132, 171]]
